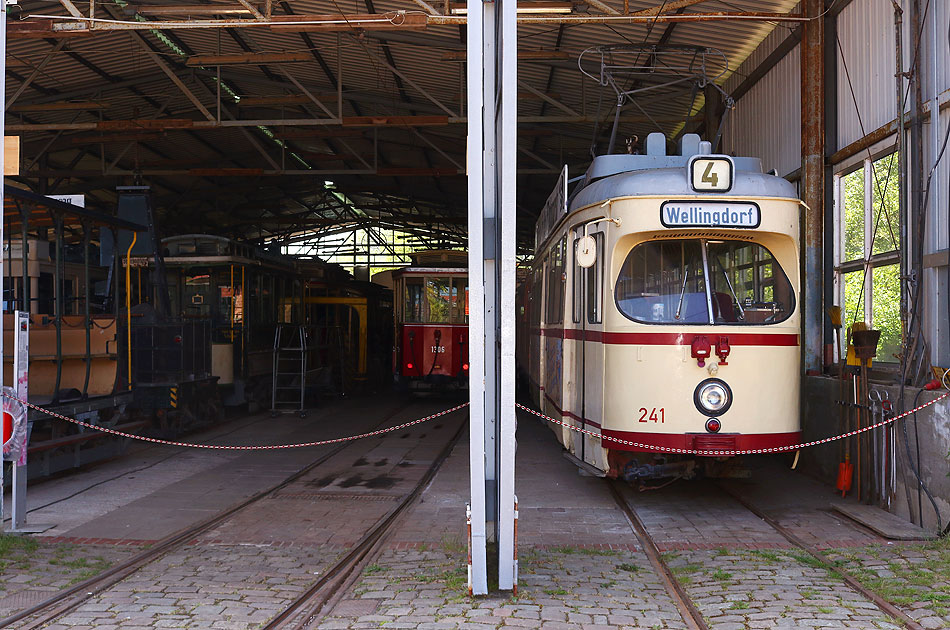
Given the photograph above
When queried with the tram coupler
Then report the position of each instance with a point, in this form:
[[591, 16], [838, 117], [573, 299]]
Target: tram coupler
[[636, 471]]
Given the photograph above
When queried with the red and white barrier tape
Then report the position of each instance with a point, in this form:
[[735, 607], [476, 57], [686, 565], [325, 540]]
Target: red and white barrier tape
[[268, 447], [726, 453], [640, 445]]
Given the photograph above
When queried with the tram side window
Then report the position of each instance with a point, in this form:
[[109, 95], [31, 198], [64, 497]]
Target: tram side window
[[460, 311], [554, 308], [414, 309], [595, 283], [577, 293]]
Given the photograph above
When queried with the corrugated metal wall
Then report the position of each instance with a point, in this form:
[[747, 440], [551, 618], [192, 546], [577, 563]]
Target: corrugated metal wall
[[766, 122], [943, 46], [867, 55]]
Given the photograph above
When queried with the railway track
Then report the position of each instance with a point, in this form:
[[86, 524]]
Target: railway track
[[69, 599], [691, 615], [305, 611], [884, 605]]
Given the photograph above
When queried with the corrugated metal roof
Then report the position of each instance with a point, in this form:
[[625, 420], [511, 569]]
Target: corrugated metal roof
[[114, 70]]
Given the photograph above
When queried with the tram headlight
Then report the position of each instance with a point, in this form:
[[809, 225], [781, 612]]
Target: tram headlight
[[712, 397]]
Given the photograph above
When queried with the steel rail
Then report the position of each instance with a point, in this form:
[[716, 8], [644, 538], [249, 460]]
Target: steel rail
[[691, 616], [306, 609], [108, 578], [885, 606]]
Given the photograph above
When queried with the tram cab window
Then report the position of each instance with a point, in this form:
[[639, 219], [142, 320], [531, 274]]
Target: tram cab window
[[196, 294], [665, 283], [441, 297], [414, 309], [748, 285]]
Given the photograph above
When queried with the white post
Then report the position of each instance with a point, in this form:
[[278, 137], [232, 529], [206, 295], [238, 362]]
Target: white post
[[507, 168], [476, 323], [492, 125]]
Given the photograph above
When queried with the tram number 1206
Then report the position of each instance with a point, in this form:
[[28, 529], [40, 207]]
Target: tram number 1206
[[656, 415]]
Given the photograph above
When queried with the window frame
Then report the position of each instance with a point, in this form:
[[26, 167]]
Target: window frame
[[702, 244], [869, 261], [596, 315]]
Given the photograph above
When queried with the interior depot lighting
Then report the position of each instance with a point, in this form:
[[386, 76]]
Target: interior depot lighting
[[523, 7]]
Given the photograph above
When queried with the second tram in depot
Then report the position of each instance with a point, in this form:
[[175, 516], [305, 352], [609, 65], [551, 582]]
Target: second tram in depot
[[662, 312], [431, 312]]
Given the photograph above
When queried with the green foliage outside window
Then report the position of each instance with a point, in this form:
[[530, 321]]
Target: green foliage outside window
[[853, 211], [882, 282], [885, 226], [886, 312]]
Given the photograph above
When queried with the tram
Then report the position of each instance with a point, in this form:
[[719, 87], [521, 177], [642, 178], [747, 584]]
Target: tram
[[662, 311], [431, 321], [244, 292]]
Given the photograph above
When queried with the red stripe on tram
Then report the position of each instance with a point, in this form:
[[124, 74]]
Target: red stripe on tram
[[672, 339]]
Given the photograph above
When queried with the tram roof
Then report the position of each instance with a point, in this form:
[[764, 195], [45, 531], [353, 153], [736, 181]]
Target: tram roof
[[431, 271]]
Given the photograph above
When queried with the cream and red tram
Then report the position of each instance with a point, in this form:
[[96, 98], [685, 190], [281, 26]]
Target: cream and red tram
[[662, 311]]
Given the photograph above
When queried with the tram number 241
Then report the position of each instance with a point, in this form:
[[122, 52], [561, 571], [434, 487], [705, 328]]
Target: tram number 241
[[656, 415]]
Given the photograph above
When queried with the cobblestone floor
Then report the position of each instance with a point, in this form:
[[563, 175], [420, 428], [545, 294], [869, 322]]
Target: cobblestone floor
[[32, 570], [231, 587], [561, 588], [750, 588], [914, 577], [572, 588]]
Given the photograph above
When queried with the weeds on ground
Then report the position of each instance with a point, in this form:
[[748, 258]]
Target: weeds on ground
[[11, 544], [771, 556], [452, 544], [909, 579]]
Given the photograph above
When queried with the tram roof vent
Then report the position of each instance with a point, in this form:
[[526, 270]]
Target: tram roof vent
[[656, 144], [689, 145]]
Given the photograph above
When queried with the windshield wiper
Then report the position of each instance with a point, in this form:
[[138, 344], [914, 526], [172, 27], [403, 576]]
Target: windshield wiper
[[735, 297], [679, 307]]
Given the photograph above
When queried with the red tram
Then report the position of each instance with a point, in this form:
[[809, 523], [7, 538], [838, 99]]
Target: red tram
[[431, 300]]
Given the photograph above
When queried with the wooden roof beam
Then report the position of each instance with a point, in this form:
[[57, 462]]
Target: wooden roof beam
[[247, 59]]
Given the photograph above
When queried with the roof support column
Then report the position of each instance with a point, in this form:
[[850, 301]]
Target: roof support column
[[492, 125], [813, 178], [831, 145]]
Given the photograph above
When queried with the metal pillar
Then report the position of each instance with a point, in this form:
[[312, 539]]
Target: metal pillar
[[492, 125], [20, 384], [813, 177], [831, 145], [3, 90]]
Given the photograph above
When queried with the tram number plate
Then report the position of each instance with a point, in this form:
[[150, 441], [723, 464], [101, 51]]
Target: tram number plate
[[438, 349], [653, 415]]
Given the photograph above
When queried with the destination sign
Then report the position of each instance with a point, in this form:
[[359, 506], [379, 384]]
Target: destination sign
[[696, 213]]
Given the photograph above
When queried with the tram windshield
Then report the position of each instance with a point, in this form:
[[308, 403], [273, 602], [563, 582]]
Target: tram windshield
[[694, 281], [436, 300]]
